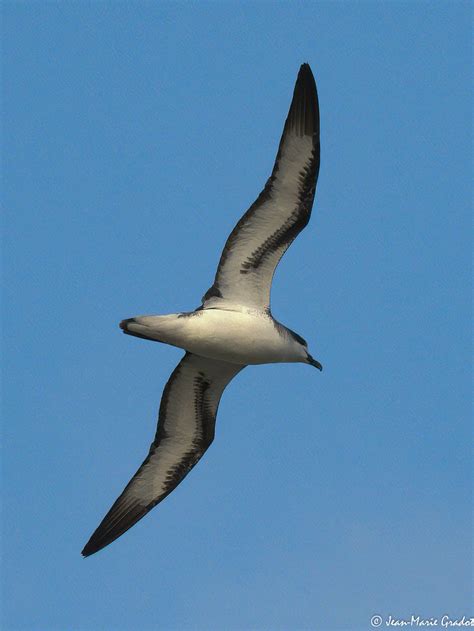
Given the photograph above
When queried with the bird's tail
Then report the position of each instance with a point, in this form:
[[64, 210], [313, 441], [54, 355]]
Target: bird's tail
[[156, 328]]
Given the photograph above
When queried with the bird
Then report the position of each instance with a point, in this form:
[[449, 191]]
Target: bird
[[232, 328]]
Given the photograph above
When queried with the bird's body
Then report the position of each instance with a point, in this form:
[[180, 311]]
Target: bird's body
[[232, 328], [243, 335]]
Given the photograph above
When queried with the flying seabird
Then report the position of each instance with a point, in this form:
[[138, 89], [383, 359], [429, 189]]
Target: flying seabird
[[232, 328]]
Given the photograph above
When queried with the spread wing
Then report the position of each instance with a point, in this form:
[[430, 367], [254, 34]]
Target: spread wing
[[261, 237], [185, 430]]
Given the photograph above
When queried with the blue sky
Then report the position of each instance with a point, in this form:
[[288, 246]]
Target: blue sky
[[135, 135]]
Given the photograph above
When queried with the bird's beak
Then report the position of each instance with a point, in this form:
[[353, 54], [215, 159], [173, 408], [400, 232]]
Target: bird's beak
[[314, 362]]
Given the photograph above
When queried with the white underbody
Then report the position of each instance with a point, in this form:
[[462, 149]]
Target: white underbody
[[243, 336]]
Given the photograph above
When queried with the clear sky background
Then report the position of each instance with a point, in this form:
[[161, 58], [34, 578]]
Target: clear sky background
[[135, 136]]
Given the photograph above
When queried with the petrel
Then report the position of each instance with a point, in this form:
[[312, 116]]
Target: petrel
[[232, 328]]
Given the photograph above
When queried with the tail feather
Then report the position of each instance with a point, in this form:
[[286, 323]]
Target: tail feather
[[132, 327], [165, 328]]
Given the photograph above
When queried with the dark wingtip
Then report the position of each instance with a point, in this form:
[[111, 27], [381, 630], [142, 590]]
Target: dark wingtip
[[87, 551], [305, 68], [303, 117], [90, 548], [96, 543], [122, 516], [100, 540]]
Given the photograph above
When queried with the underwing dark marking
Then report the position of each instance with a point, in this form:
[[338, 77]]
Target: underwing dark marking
[[204, 432], [293, 225], [212, 292], [162, 414], [190, 314]]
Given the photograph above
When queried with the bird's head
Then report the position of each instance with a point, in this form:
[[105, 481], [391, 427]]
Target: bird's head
[[302, 350]]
